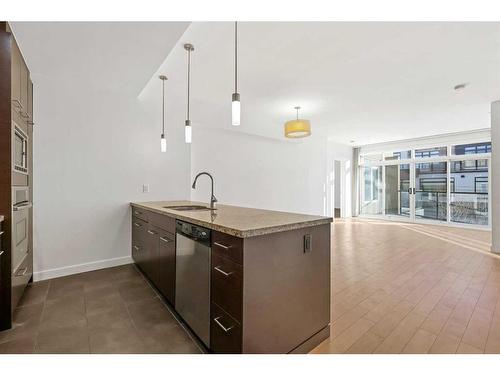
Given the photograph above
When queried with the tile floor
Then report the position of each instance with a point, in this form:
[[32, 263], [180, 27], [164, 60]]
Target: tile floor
[[107, 311], [409, 288]]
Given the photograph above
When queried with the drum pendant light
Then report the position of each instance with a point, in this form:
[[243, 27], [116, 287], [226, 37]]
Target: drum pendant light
[[187, 128], [163, 141], [236, 105], [297, 128]]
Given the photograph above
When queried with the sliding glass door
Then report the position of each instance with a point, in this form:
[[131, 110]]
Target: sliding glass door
[[431, 191], [445, 184], [469, 198], [397, 190], [371, 190]]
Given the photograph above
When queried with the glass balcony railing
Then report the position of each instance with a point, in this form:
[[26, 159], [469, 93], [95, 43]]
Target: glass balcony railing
[[465, 207]]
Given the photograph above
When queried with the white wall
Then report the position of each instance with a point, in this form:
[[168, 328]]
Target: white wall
[[261, 172], [495, 176], [337, 183], [93, 151]]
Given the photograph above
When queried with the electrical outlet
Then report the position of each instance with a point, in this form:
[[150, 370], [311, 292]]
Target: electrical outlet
[[145, 188]]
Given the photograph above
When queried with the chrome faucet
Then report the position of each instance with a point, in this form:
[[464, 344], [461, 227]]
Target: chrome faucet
[[213, 200]]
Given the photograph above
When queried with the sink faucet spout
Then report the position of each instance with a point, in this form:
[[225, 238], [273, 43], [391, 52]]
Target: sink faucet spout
[[213, 199]]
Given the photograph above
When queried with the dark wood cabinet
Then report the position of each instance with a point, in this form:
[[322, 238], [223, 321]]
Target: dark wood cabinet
[[226, 285], [269, 293], [225, 332], [1, 253], [153, 249], [138, 241], [227, 246], [166, 265], [226, 293], [16, 161]]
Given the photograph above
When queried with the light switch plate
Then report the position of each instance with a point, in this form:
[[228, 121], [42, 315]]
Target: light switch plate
[[145, 188]]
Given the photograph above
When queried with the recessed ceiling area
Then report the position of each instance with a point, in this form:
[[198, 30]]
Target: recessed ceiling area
[[357, 81], [104, 56]]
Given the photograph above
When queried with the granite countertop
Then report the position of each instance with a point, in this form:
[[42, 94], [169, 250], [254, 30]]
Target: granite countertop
[[237, 221]]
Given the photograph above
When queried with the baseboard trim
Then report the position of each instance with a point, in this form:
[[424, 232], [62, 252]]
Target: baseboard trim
[[79, 268]]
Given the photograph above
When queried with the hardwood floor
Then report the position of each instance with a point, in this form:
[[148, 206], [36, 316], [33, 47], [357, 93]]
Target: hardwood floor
[[408, 288]]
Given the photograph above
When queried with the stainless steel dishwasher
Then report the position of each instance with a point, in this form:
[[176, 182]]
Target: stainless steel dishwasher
[[192, 278]]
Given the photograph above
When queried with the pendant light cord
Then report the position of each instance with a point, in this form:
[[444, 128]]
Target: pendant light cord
[[189, 81], [236, 56], [163, 109]]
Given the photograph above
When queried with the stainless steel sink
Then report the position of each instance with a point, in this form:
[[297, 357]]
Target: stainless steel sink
[[188, 208]]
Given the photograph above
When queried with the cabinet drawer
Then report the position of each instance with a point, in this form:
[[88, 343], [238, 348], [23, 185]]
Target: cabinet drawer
[[20, 235], [138, 241], [20, 278], [140, 213], [227, 282], [225, 332], [227, 246], [161, 221], [166, 263]]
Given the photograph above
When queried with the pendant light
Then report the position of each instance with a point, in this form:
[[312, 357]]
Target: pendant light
[[297, 128], [187, 128], [236, 105], [163, 141]]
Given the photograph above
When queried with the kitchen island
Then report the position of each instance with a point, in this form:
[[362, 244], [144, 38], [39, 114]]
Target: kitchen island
[[267, 284]]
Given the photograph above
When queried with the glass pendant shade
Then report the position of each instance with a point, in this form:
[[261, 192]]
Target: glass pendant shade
[[163, 143], [187, 132], [236, 110]]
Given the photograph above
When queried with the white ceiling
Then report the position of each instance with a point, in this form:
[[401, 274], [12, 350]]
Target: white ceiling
[[106, 56], [366, 82]]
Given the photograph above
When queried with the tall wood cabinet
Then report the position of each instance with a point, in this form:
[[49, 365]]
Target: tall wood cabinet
[[153, 249], [16, 175]]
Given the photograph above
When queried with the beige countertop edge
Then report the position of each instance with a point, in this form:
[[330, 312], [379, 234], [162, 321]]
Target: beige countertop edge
[[237, 232]]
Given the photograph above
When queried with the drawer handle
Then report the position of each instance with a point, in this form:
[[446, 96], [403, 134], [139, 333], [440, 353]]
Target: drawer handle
[[25, 269], [138, 212], [136, 248], [137, 225], [165, 239], [223, 272], [216, 320], [1, 253], [152, 232], [22, 207], [17, 103], [225, 247]]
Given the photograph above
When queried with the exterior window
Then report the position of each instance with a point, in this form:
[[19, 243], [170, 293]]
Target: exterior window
[[433, 184], [399, 155], [472, 148], [430, 152], [470, 197], [368, 184], [469, 164], [481, 185]]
